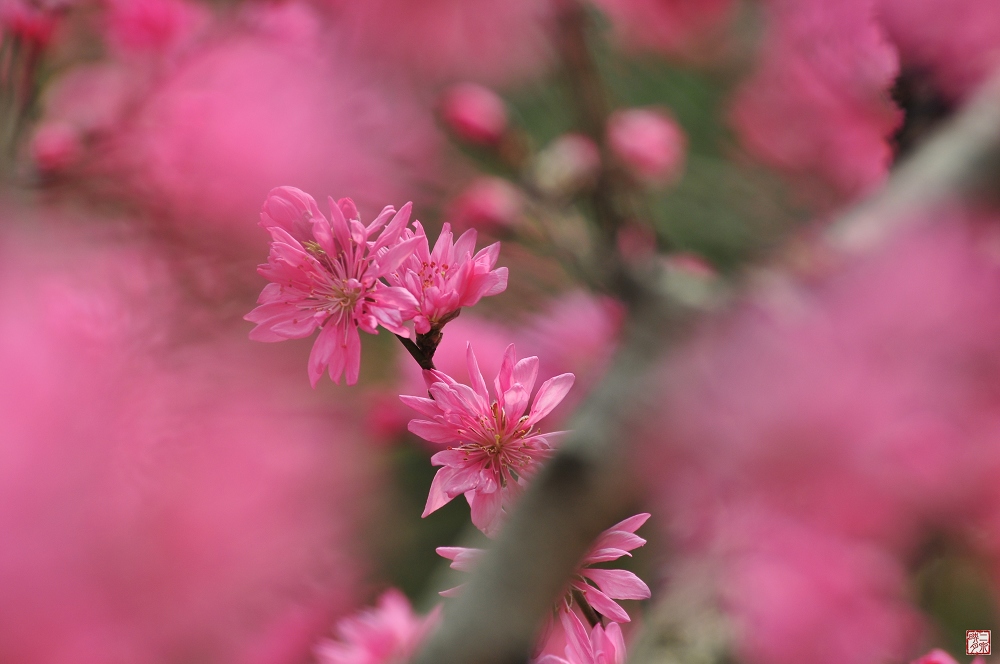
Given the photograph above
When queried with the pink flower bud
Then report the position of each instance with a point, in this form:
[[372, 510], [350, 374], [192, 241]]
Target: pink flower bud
[[570, 163], [649, 142], [476, 114], [488, 202], [33, 24], [55, 146]]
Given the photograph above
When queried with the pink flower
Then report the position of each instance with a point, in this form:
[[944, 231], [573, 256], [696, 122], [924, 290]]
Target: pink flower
[[604, 645], [55, 146], [474, 112], [649, 142], [448, 278], [493, 447], [387, 634], [325, 274], [936, 656], [598, 587]]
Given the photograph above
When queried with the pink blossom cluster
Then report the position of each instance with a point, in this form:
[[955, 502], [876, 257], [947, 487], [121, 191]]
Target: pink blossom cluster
[[332, 274], [590, 590], [812, 440]]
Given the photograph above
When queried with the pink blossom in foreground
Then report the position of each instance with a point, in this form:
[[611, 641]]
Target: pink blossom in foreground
[[598, 587], [165, 495], [493, 448], [474, 112], [447, 278], [603, 645], [648, 142], [325, 274], [387, 634]]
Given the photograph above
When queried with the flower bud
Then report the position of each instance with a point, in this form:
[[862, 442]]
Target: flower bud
[[489, 202], [474, 113], [567, 165], [649, 143], [55, 146]]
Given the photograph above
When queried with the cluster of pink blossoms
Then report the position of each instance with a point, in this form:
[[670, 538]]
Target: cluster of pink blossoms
[[590, 591], [339, 276], [328, 274]]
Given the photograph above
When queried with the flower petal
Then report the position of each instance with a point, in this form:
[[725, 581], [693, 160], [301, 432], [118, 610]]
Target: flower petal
[[550, 394]]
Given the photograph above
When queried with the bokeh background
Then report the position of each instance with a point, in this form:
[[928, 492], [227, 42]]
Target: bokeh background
[[820, 457]]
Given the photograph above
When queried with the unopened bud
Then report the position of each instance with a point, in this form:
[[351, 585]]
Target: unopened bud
[[567, 165], [475, 113], [55, 146], [488, 202], [649, 143]]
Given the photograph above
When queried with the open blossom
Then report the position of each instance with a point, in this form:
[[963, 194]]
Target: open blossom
[[493, 447], [325, 275], [597, 586], [387, 634], [448, 278], [603, 645]]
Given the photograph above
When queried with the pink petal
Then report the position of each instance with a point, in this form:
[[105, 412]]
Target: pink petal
[[578, 647], [550, 394], [485, 508], [352, 353], [392, 231], [422, 405], [618, 583], [605, 605], [433, 432], [322, 350], [463, 559], [631, 524], [441, 491], [525, 372], [503, 379], [475, 375]]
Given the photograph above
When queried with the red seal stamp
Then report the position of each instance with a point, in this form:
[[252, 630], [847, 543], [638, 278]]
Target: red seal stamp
[[977, 642]]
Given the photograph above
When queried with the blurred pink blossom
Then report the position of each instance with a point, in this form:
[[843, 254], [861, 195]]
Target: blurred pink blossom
[[649, 142], [474, 113], [810, 440], [32, 22], [325, 274], [489, 41], [489, 203], [304, 116], [160, 500], [493, 447], [818, 105], [387, 634], [55, 146], [154, 27]]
